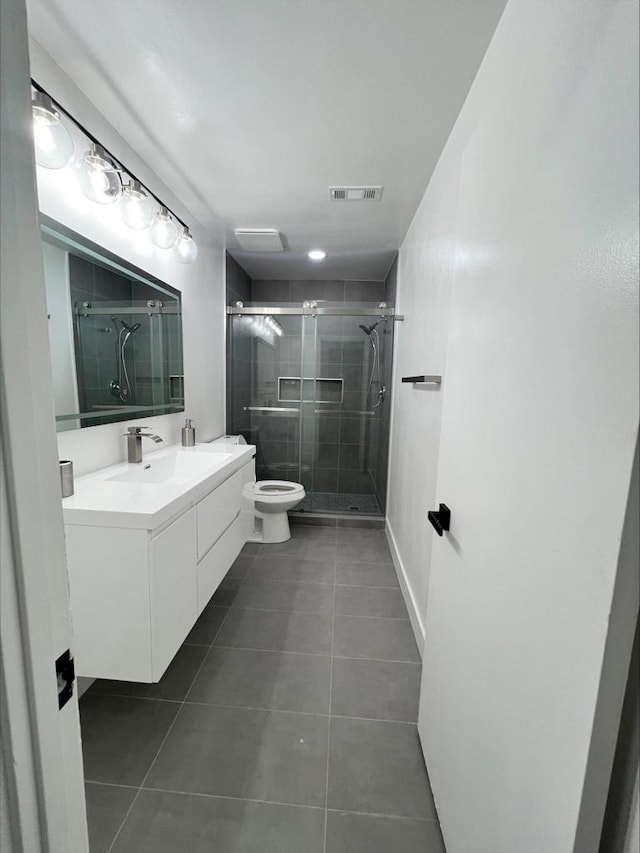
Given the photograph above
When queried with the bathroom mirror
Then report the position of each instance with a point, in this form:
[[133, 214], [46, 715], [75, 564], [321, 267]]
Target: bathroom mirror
[[115, 334]]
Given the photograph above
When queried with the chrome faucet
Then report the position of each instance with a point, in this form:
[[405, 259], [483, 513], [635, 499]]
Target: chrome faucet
[[134, 436]]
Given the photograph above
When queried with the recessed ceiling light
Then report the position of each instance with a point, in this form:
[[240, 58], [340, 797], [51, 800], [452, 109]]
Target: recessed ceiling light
[[317, 255]]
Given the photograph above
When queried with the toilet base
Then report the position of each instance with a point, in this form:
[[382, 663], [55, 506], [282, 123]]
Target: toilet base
[[271, 527]]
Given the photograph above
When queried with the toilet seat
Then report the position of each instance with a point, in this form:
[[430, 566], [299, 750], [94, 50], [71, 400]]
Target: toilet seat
[[274, 495], [264, 488]]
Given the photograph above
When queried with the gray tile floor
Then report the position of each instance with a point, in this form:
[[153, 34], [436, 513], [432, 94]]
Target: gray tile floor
[[285, 724]]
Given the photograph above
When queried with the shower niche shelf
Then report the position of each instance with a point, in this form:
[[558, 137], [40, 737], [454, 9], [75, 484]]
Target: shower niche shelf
[[294, 389]]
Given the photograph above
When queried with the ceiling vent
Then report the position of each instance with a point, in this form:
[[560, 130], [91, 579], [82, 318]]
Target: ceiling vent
[[259, 239], [355, 193]]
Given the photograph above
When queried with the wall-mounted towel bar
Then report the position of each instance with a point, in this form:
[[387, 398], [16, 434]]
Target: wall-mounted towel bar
[[423, 380]]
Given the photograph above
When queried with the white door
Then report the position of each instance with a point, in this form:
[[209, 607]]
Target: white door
[[540, 421], [40, 758]]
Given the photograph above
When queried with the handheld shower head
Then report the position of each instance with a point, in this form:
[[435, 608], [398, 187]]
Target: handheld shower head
[[129, 328], [368, 329]]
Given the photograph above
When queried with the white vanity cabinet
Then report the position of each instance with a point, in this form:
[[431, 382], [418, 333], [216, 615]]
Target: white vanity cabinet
[[136, 592], [173, 592]]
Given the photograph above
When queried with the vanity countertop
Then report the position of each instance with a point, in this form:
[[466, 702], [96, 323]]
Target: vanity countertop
[[149, 494]]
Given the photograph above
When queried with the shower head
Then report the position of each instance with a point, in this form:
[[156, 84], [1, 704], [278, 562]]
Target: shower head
[[129, 328], [368, 329]]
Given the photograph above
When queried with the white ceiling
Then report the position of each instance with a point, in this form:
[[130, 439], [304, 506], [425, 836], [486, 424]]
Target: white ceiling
[[250, 109]]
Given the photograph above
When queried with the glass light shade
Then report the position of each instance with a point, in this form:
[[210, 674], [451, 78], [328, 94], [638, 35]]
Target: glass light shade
[[317, 255], [53, 144], [98, 176], [186, 248], [163, 230], [137, 206]]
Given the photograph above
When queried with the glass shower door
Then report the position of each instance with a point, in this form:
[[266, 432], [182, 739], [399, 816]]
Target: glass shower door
[[345, 420], [264, 391]]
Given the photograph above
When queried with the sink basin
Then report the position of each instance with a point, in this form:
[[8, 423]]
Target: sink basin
[[179, 467]]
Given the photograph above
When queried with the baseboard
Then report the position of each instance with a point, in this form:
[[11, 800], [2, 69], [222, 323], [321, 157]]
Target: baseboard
[[414, 613]]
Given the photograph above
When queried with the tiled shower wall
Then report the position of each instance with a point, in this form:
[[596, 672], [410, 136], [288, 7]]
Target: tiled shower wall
[[268, 292]]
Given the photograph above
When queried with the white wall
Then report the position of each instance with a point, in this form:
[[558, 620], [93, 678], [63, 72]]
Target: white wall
[[201, 283], [425, 267], [433, 251]]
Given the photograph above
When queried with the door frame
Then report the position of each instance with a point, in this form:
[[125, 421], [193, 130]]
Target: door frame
[[41, 754]]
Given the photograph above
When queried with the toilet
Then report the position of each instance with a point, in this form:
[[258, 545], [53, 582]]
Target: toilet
[[272, 500]]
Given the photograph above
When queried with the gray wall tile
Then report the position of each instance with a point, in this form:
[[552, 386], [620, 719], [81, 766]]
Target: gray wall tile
[[363, 291], [267, 292]]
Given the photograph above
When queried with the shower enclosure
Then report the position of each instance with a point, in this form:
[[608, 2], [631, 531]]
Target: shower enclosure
[[310, 387]]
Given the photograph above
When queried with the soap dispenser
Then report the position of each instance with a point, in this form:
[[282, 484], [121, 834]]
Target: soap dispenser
[[188, 434]]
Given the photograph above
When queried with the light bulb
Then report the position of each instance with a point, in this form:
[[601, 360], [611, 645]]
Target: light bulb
[[186, 249], [53, 143], [317, 255], [163, 230], [99, 181], [136, 205], [98, 176]]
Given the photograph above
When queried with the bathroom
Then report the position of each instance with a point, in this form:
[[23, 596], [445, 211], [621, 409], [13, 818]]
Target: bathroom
[[385, 596]]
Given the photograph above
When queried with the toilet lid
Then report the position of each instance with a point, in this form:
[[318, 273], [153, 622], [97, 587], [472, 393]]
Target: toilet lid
[[276, 487]]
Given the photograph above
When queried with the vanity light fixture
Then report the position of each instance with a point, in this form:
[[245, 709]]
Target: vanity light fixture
[[163, 230], [186, 249], [317, 255], [137, 206], [100, 176], [53, 143]]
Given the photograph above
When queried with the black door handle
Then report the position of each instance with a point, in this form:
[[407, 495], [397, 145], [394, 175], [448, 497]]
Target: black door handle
[[441, 520]]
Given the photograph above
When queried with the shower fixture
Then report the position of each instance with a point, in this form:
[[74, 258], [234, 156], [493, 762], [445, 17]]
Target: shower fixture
[[121, 386], [368, 329], [372, 333]]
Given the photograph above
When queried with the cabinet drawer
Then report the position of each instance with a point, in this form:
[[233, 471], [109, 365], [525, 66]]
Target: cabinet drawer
[[216, 512], [214, 565]]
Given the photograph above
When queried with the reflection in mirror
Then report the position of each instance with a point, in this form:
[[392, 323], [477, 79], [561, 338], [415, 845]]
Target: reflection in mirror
[[115, 334]]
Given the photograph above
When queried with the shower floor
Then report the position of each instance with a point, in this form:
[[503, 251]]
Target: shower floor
[[332, 502]]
